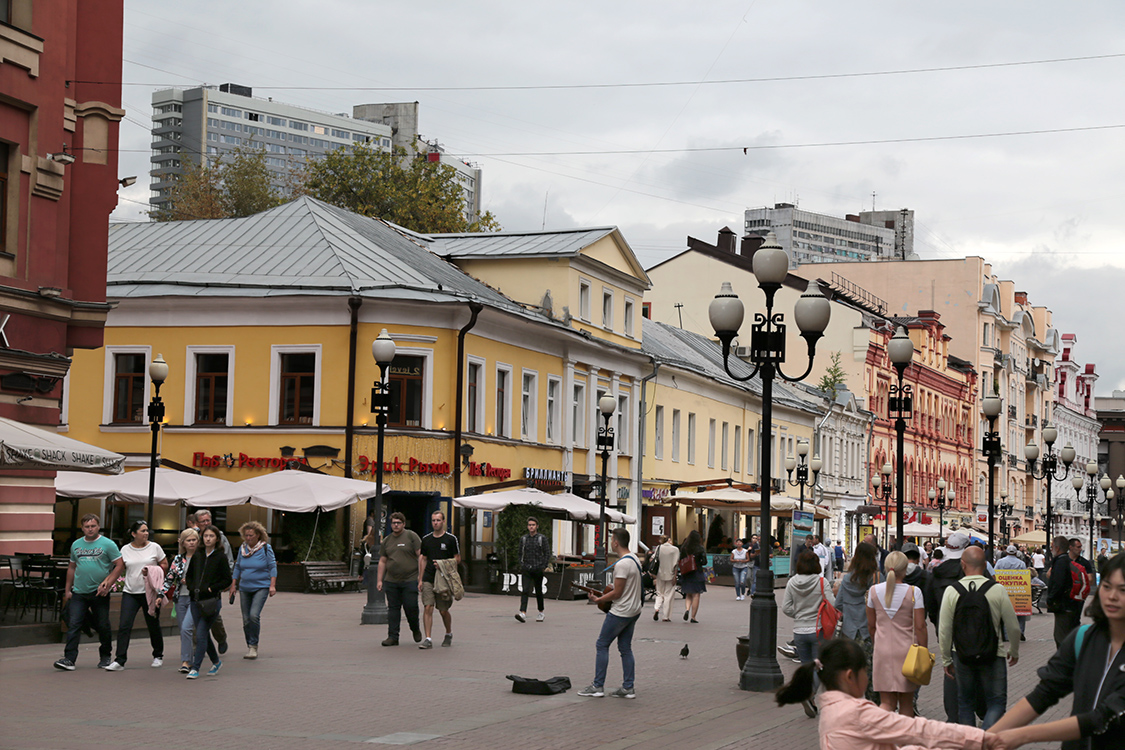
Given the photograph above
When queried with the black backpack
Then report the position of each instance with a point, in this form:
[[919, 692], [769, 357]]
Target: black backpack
[[974, 636]]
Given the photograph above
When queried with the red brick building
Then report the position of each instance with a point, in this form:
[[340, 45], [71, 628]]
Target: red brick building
[[60, 73]]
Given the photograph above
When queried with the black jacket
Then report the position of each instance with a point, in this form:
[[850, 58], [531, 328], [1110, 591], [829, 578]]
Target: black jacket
[[208, 575], [1099, 714], [1058, 586], [942, 577]]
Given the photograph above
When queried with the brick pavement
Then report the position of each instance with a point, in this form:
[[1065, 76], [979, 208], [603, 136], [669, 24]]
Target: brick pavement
[[323, 681]]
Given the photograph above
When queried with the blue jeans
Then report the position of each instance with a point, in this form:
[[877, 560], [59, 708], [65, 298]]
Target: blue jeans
[[252, 603], [187, 627], [130, 604], [620, 628], [401, 595], [76, 616], [807, 645], [203, 643], [740, 576], [974, 683]]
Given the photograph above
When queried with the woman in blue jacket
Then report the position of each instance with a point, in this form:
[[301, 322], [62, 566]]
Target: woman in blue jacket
[[255, 577]]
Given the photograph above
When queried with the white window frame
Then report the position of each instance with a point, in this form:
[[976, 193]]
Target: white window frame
[[111, 353], [578, 415], [585, 292], [750, 462], [427, 377], [529, 405], [676, 435], [630, 318], [736, 453], [482, 385], [623, 422], [725, 446], [711, 444], [276, 351], [554, 410], [608, 303], [658, 433], [503, 430], [691, 438], [189, 382]]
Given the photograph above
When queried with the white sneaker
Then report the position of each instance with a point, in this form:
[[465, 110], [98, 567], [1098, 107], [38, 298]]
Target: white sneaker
[[539, 617], [521, 617], [157, 663], [114, 667]]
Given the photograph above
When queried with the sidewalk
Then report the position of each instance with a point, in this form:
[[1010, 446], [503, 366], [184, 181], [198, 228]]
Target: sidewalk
[[323, 681]]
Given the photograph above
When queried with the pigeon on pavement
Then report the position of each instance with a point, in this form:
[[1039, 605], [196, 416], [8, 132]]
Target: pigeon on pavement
[[684, 652]]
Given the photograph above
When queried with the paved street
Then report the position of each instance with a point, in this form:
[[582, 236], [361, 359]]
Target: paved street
[[323, 681]]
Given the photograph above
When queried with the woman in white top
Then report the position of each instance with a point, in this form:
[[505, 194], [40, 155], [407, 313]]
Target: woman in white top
[[740, 563], [1039, 562], [137, 554], [896, 619]]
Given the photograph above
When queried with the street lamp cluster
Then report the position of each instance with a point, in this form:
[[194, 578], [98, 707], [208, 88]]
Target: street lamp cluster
[[884, 482], [812, 312], [940, 495], [157, 373], [606, 406], [1091, 501], [383, 350], [1005, 509], [990, 447], [1050, 466], [802, 466]]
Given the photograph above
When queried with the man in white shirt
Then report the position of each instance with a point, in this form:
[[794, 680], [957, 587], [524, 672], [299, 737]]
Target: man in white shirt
[[824, 556], [665, 578], [619, 620]]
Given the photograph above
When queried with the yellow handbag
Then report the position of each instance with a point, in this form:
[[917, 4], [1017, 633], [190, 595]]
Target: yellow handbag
[[919, 662]]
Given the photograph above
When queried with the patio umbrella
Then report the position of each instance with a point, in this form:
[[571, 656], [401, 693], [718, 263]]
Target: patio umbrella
[[1031, 537], [921, 529], [289, 490], [172, 487], [576, 508], [25, 447]]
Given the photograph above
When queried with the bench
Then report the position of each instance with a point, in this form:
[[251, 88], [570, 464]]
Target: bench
[[322, 576]]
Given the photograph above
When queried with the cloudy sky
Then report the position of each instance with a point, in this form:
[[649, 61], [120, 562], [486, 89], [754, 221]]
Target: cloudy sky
[[661, 98]]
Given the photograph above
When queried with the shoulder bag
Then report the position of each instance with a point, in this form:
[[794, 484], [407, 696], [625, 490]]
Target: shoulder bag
[[688, 564], [919, 663], [827, 616]]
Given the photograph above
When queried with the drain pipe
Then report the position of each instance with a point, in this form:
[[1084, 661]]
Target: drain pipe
[[641, 441], [820, 447], [354, 304], [459, 407]]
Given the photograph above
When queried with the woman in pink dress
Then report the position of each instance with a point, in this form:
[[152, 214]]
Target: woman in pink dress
[[848, 722], [896, 619]]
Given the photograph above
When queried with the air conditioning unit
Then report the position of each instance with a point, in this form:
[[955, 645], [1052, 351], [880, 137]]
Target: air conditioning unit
[[742, 352]]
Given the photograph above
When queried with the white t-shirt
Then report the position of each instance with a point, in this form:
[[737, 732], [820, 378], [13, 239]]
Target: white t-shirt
[[1038, 561], [629, 603], [135, 561], [876, 594]]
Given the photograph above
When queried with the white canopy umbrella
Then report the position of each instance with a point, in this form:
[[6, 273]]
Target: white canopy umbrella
[[25, 447], [724, 494], [577, 508], [290, 490], [172, 487], [921, 529]]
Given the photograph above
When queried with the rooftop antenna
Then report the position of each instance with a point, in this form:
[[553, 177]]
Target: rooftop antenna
[[545, 197], [872, 200], [680, 311]]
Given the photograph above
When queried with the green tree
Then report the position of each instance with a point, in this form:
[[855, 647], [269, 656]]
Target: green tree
[[511, 525], [833, 377], [225, 187], [421, 195]]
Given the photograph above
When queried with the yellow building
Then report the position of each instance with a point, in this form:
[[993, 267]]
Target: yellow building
[[266, 323]]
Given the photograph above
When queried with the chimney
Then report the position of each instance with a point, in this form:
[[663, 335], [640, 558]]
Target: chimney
[[928, 315], [725, 243], [750, 245], [851, 217], [1021, 298]]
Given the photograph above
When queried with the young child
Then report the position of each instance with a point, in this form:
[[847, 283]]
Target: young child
[[848, 722]]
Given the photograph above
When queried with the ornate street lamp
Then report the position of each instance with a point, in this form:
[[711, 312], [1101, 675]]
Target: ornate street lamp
[[1092, 483], [383, 350], [990, 447], [761, 671], [157, 373], [606, 405], [802, 467], [1005, 509], [940, 495], [885, 483], [900, 405], [1050, 467]]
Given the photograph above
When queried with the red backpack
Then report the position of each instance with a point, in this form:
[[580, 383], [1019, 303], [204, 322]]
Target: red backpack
[[827, 616], [1079, 582]]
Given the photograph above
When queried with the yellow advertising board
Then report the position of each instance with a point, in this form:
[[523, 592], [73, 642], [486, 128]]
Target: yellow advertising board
[[1018, 585]]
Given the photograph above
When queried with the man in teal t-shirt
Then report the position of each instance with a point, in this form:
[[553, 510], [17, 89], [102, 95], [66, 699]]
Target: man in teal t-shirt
[[95, 564]]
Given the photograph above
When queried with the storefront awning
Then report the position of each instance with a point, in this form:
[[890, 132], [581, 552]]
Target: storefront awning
[[25, 447]]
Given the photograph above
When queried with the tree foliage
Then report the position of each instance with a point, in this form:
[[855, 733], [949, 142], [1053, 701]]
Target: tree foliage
[[833, 377], [510, 526], [420, 195], [227, 186]]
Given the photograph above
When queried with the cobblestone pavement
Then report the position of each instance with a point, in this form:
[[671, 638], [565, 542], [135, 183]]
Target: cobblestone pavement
[[323, 681]]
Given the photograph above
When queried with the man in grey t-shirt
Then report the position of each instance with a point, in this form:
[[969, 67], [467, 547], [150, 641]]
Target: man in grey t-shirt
[[619, 620]]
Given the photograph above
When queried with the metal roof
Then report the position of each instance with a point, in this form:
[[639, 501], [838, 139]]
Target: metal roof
[[565, 243], [302, 247]]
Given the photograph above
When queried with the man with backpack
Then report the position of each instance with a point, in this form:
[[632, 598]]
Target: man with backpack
[[941, 577], [973, 610], [1067, 587]]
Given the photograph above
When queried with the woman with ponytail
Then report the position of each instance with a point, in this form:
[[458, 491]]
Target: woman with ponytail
[[848, 722], [896, 619]]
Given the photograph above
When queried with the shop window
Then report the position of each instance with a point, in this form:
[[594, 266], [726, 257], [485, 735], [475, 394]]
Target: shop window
[[407, 384]]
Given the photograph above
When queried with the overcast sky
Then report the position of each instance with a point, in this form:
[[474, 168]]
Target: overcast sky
[[1045, 209]]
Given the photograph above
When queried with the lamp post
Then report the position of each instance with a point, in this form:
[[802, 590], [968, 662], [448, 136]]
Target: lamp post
[[940, 496], [606, 405], [383, 350], [900, 405], [990, 447], [1091, 501], [1005, 509], [761, 672], [1050, 467], [157, 373], [885, 483], [802, 467]]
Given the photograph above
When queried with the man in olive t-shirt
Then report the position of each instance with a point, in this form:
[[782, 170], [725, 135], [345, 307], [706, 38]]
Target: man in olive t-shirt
[[398, 577]]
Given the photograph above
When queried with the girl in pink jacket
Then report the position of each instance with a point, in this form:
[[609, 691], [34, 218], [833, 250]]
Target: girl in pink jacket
[[848, 722]]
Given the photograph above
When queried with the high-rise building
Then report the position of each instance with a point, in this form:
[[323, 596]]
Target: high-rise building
[[809, 237], [187, 123]]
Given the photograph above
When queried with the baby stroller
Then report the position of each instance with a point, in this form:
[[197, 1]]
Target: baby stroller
[[1038, 593]]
